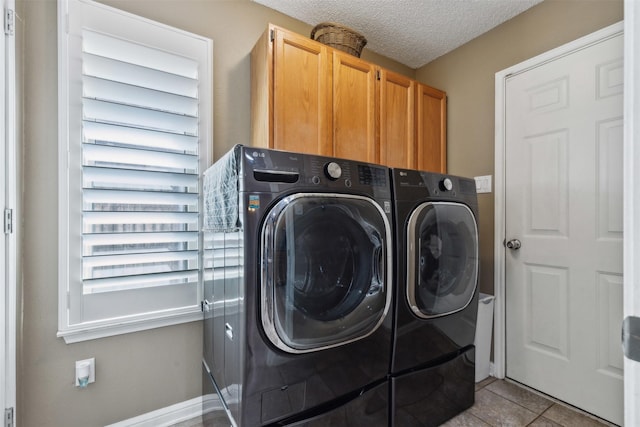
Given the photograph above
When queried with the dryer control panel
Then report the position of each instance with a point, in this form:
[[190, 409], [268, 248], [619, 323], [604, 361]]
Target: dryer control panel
[[435, 184]]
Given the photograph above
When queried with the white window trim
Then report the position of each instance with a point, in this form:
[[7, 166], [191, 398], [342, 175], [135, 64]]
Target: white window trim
[[93, 330]]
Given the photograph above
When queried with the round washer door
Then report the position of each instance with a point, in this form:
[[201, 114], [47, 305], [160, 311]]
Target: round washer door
[[442, 258], [326, 270]]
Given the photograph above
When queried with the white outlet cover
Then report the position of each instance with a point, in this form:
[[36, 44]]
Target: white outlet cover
[[483, 184]]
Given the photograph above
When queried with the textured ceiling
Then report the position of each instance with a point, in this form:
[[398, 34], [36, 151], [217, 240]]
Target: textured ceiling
[[412, 32]]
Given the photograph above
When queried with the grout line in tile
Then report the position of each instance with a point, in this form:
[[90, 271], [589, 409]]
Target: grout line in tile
[[516, 403], [539, 416], [506, 400], [484, 383], [560, 402], [526, 389]]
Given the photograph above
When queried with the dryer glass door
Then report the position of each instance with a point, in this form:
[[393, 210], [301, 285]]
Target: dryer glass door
[[326, 271], [442, 254]]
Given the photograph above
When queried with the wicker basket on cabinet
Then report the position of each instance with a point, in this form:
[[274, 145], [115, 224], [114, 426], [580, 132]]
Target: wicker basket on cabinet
[[339, 37]]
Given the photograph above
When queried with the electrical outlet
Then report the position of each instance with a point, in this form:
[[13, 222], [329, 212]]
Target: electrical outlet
[[483, 184]]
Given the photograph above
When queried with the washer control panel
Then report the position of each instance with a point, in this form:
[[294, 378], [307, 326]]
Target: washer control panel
[[371, 175], [346, 173], [286, 169]]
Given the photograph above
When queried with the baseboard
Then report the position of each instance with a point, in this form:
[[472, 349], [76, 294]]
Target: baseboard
[[173, 414], [492, 369]]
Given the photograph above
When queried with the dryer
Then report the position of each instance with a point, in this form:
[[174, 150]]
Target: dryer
[[298, 272], [433, 363]]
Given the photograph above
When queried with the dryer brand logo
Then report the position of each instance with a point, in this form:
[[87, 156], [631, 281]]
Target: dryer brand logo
[[403, 173], [258, 154], [387, 207]]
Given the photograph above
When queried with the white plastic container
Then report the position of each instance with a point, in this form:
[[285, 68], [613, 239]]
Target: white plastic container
[[484, 327]]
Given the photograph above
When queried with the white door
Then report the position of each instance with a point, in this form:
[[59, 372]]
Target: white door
[[563, 177]]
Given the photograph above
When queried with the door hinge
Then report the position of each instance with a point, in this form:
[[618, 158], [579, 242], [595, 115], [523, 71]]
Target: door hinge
[[378, 76], [631, 338], [8, 221], [9, 22], [8, 417], [272, 35]]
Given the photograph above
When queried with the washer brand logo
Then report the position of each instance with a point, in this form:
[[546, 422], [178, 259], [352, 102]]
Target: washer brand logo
[[387, 207], [257, 154], [403, 173]]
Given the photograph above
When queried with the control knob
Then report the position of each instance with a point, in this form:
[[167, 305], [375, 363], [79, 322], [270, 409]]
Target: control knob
[[333, 170], [446, 184]]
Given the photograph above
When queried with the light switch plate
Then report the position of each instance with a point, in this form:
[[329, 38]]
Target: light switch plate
[[483, 184]]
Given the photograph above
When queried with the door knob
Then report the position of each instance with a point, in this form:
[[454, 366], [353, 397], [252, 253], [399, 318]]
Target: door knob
[[514, 244]]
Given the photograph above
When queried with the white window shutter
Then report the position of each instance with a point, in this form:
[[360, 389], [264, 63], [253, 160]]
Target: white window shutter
[[137, 118]]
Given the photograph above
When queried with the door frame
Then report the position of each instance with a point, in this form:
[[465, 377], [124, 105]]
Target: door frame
[[631, 196], [8, 195], [501, 77]]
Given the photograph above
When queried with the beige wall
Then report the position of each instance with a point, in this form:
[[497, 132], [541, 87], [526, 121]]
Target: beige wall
[[138, 372], [467, 74]]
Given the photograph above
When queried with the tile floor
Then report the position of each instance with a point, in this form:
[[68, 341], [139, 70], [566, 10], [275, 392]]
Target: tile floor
[[498, 403], [502, 403]]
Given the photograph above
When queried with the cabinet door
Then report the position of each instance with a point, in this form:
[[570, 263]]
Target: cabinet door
[[431, 125], [301, 94], [354, 85], [397, 94]]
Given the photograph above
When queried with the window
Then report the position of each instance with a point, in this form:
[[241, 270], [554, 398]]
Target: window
[[135, 114]]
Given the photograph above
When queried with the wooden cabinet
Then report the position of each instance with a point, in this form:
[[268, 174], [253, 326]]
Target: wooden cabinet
[[397, 141], [354, 108], [291, 95], [310, 98], [431, 129]]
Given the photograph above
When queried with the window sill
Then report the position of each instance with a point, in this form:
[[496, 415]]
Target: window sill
[[88, 332]]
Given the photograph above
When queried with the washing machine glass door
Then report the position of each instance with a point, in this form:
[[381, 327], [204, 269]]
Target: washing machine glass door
[[325, 271], [442, 258]]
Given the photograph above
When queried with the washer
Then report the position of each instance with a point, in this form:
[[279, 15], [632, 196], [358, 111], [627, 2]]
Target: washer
[[433, 361], [298, 273]]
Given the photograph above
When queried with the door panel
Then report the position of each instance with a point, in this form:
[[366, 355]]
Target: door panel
[[354, 130], [564, 203], [610, 312], [431, 129], [609, 193], [547, 184], [396, 120], [546, 316], [302, 95]]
